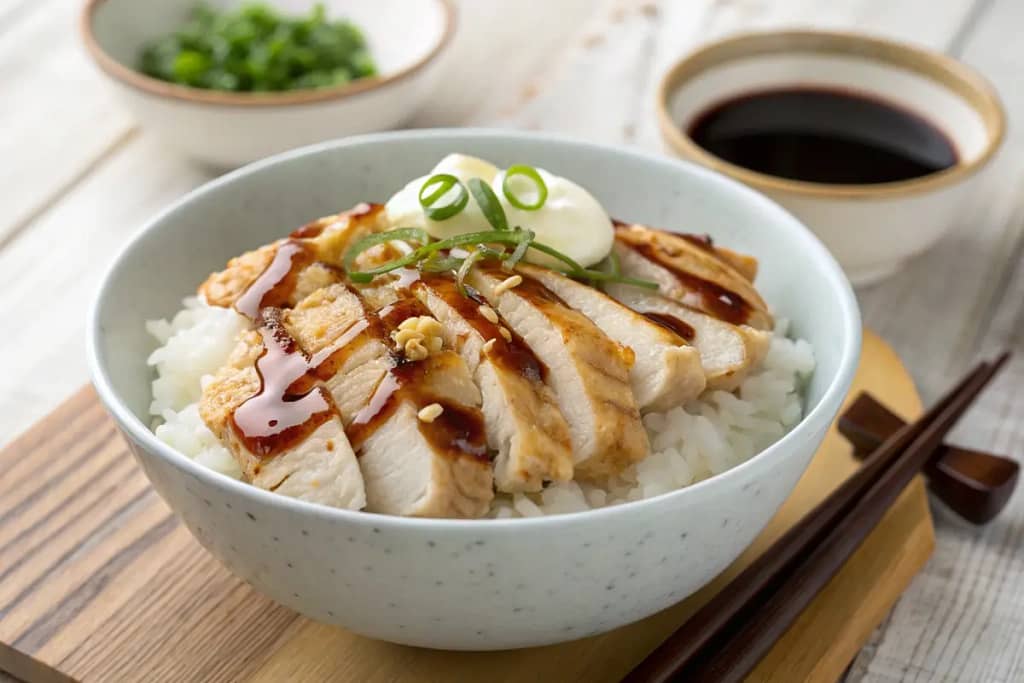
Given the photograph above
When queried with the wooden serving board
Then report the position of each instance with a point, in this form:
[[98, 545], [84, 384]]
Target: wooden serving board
[[99, 581]]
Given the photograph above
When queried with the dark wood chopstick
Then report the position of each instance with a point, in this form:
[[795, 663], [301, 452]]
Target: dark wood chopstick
[[718, 622]]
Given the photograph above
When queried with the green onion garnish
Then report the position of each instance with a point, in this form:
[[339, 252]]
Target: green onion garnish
[[613, 261], [601, 276], [404, 234], [444, 182], [488, 203], [551, 251], [518, 253], [527, 172], [467, 263], [428, 255]]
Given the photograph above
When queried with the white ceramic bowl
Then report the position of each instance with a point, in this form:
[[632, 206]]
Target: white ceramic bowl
[[871, 229], [406, 38], [477, 584]]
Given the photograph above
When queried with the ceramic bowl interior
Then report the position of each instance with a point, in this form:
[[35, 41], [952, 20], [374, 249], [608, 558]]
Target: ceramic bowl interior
[[936, 88], [470, 584], [401, 34]]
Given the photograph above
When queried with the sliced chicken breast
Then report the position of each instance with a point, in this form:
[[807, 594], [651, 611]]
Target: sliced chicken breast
[[666, 371], [297, 448], [523, 422], [727, 352], [414, 462], [691, 274], [588, 372], [275, 274]]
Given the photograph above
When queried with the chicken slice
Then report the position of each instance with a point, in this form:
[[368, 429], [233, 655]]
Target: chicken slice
[[413, 465], [521, 416], [727, 352], [311, 458], [666, 371], [276, 272], [588, 372], [691, 274]]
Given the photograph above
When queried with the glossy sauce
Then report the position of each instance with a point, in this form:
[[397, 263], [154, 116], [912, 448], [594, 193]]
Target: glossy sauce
[[514, 356], [823, 136], [276, 283], [288, 406], [317, 227], [672, 323], [458, 431], [703, 295]]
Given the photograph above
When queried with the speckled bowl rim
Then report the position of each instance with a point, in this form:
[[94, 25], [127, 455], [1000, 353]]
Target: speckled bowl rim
[[953, 75], [153, 86], [821, 415]]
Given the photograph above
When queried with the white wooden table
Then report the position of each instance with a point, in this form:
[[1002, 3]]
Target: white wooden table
[[77, 176]]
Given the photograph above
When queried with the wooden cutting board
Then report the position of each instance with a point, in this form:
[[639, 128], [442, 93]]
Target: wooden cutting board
[[99, 581]]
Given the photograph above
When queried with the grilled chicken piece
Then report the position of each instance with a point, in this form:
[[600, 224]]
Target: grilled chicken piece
[[691, 274], [523, 423], [431, 467], [321, 242], [666, 372], [588, 372], [321, 467], [742, 263], [727, 352]]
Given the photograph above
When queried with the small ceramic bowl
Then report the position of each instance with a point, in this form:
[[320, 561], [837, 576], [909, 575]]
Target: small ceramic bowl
[[871, 229], [469, 584], [224, 129]]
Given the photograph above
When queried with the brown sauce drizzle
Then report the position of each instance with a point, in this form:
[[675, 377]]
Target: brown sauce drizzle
[[317, 227], [288, 406], [457, 431], [704, 295], [515, 355], [277, 281], [673, 324]]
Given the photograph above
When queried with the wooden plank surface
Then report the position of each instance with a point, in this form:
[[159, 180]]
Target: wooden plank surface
[[79, 177], [101, 583]]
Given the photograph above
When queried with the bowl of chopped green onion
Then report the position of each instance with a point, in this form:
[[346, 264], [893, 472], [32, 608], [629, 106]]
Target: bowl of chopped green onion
[[229, 82]]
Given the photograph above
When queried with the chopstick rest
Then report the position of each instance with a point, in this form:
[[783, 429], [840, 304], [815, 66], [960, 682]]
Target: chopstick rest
[[974, 484]]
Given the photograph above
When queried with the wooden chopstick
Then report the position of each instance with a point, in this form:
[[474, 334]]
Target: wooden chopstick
[[689, 648]]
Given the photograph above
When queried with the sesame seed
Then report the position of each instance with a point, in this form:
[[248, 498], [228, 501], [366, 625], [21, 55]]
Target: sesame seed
[[505, 333], [488, 345], [488, 312], [430, 413], [508, 284]]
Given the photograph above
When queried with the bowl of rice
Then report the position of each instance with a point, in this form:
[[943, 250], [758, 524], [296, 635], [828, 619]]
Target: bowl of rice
[[568, 562]]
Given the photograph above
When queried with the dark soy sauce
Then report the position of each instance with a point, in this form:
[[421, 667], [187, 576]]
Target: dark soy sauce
[[823, 136]]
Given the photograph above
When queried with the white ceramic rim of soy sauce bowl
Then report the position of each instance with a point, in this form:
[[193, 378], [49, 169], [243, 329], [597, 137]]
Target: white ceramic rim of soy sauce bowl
[[818, 418], [961, 80]]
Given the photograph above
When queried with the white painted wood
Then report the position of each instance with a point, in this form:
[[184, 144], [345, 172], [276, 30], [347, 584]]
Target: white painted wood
[[78, 178]]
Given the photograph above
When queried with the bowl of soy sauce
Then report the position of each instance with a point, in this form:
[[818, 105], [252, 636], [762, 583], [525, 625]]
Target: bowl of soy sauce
[[879, 147]]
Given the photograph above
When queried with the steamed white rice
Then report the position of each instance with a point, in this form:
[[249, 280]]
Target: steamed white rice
[[690, 443]]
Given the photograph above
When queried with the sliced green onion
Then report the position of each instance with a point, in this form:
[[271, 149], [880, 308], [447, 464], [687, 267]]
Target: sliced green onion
[[520, 251], [488, 203], [601, 276], [435, 263], [444, 182], [613, 261], [551, 251], [364, 276], [527, 172], [400, 234], [467, 263]]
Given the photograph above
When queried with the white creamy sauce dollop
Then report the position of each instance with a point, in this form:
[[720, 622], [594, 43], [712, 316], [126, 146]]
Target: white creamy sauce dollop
[[571, 219]]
